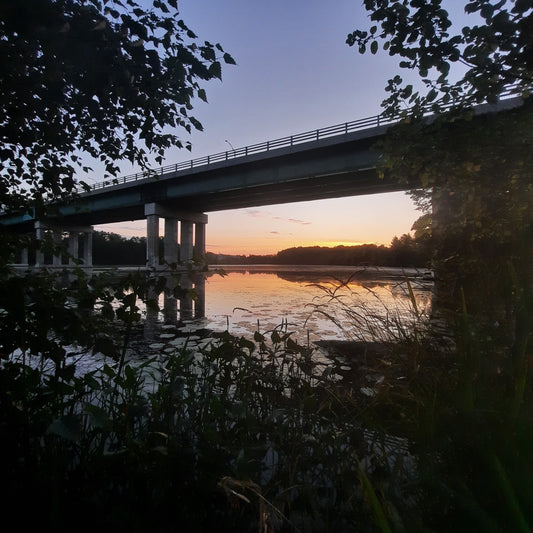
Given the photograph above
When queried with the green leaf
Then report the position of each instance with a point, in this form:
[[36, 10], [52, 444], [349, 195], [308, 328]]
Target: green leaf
[[68, 427], [431, 95], [245, 343], [374, 47], [215, 70], [105, 346], [98, 417], [109, 372], [202, 95], [274, 337], [208, 53], [228, 59]]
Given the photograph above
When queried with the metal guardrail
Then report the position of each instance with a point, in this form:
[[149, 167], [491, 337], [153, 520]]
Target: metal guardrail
[[284, 142], [267, 146]]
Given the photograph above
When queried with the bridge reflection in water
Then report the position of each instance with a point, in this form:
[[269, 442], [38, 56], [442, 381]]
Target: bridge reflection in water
[[179, 296]]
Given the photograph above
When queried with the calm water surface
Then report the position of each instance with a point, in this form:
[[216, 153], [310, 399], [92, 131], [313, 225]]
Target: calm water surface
[[251, 298], [263, 297]]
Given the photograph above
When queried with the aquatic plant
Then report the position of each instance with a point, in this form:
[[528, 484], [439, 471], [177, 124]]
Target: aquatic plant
[[229, 436], [458, 393]]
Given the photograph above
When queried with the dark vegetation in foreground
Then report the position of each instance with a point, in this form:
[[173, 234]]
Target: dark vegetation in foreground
[[427, 431], [432, 431]]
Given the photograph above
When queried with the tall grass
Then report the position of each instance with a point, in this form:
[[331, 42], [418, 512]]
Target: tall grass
[[461, 398], [236, 435], [239, 434]]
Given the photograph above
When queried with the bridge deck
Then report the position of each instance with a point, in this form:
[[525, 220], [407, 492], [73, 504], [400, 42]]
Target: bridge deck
[[331, 162]]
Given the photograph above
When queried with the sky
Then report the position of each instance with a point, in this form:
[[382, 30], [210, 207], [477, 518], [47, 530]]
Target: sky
[[294, 73]]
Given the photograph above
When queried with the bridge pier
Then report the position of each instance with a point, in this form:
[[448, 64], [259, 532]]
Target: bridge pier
[[170, 244], [187, 242], [74, 234], [191, 245]]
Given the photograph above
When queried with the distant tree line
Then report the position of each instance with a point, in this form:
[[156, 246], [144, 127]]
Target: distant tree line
[[113, 249], [404, 251]]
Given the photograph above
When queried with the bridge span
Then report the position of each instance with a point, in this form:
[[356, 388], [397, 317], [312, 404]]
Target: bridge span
[[331, 162]]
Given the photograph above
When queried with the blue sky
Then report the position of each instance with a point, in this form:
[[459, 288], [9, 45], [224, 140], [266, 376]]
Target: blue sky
[[294, 73]]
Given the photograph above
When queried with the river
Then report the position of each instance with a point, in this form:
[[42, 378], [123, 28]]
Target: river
[[314, 302]]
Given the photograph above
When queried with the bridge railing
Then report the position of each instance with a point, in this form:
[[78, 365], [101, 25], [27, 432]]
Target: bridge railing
[[284, 142]]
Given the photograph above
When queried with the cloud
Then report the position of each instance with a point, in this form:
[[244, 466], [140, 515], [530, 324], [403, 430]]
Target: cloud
[[298, 221], [255, 213], [258, 213], [275, 232]]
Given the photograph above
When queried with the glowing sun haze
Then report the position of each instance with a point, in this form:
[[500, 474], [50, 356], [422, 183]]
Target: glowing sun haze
[[294, 73]]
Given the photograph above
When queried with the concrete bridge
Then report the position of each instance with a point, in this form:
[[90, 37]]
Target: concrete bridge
[[331, 162]]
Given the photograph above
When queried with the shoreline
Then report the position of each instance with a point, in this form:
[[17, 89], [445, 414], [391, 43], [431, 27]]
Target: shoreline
[[356, 270]]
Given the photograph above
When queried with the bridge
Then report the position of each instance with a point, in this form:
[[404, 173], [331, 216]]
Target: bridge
[[331, 162]]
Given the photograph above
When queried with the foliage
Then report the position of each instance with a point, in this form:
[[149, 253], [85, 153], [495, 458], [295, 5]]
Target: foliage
[[461, 401], [79, 80], [474, 171], [492, 53], [404, 251], [234, 436], [112, 249], [370, 320], [237, 434], [93, 79], [467, 414], [475, 176], [467, 411]]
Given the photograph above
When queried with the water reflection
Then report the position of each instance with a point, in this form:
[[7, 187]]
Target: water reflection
[[181, 299], [262, 297], [315, 303]]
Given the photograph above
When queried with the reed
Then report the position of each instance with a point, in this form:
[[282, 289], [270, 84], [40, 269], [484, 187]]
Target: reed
[[242, 434]]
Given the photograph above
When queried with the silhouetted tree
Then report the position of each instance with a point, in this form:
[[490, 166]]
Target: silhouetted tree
[[89, 78], [113, 249]]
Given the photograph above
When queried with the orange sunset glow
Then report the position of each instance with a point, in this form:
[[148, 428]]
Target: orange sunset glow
[[350, 221]]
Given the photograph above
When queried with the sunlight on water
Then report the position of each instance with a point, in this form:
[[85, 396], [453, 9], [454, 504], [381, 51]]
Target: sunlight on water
[[308, 301]]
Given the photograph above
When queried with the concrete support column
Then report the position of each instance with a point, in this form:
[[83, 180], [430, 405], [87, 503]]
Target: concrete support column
[[171, 240], [199, 242], [39, 234], [152, 313], [186, 248], [56, 258], [73, 247], [186, 299], [152, 241], [88, 248], [24, 257]]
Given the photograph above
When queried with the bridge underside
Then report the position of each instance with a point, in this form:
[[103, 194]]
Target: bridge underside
[[327, 167], [321, 169], [295, 174], [294, 190]]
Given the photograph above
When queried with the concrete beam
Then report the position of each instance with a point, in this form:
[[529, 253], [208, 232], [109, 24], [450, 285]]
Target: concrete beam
[[73, 246], [88, 249], [199, 242], [179, 214]]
